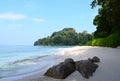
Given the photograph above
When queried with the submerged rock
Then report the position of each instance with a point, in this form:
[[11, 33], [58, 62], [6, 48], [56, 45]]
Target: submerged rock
[[61, 70], [86, 68]]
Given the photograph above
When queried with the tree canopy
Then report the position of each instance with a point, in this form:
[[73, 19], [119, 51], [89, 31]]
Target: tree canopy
[[67, 36], [107, 20]]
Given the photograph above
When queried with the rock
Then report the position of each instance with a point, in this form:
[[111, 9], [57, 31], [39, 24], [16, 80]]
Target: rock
[[61, 70], [95, 59], [86, 68], [69, 60]]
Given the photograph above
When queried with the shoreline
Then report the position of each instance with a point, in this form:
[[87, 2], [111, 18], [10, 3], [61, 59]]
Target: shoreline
[[108, 69]]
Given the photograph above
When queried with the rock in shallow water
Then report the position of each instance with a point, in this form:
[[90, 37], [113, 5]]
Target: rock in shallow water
[[61, 70], [86, 68]]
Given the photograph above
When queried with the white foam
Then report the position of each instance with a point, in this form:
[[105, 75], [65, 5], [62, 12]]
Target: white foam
[[43, 65]]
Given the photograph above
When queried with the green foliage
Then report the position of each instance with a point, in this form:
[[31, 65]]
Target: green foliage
[[67, 36], [98, 42], [89, 43], [107, 20], [112, 40]]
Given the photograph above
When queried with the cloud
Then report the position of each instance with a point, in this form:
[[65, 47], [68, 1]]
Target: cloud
[[12, 16], [38, 20]]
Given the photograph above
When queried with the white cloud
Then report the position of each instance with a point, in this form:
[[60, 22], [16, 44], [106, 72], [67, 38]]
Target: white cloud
[[14, 16], [11, 16], [38, 20]]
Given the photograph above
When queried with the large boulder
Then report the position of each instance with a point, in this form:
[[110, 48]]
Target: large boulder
[[86, 68], [61, 70]]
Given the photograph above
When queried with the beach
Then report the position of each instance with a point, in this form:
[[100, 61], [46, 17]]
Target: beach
[[108, 69]]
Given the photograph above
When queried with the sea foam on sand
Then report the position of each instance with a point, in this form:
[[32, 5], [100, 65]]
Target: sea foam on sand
[[108, 70]]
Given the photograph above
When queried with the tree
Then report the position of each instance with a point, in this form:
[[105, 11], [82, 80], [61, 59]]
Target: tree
[[67, 36], [107, 20]]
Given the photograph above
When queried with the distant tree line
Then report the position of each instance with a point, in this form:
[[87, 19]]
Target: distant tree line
[[67, 36]]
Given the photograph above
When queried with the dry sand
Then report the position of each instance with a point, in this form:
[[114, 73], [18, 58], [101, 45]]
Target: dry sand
[[108, 70]]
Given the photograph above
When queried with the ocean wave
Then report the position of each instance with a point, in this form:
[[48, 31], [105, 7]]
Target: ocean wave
[[27, 60], [43, 65]]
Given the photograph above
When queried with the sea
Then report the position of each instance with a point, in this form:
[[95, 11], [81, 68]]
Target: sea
[[18, 60]]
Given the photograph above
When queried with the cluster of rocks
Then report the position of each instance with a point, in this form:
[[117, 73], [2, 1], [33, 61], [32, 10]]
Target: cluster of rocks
[[63, 69]]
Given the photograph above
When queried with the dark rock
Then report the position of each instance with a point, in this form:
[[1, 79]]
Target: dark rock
[[61, 70], [86, 68], [69, 60], [94, 59]]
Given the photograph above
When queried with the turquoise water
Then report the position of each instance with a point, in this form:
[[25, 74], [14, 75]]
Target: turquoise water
[[16, 58]]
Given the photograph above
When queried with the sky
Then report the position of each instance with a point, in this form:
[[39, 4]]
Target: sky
[[22, 22]]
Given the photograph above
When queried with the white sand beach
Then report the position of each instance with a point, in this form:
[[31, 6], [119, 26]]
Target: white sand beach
[[108, 70]]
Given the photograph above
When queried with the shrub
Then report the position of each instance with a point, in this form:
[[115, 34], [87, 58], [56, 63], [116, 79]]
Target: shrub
[[89, 43], [112, 40]]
